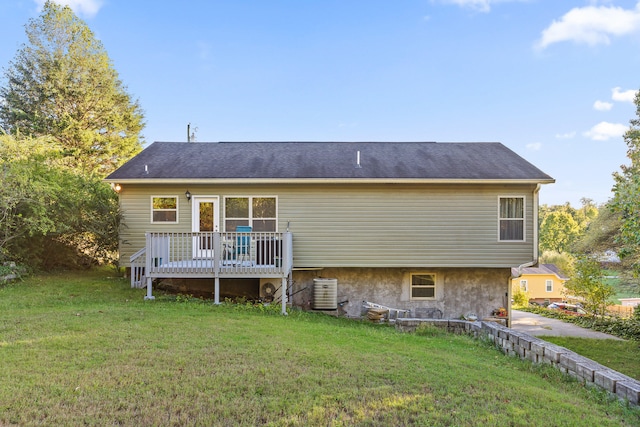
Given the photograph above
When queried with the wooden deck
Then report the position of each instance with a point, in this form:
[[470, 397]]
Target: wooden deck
[[212, 255]]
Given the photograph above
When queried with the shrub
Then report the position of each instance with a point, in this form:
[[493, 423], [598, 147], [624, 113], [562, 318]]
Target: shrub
[[520, 297], [10, 271], [588, 283]]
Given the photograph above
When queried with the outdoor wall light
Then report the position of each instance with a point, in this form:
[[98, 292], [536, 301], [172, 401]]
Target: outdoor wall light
[[116, 187], [187, 195]]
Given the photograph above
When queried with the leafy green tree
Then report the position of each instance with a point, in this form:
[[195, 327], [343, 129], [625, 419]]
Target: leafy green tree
[[601, 234], [587, 283], [626, 200], [49, 215], [26, 191], [564, 261], [586, 213], [63, 84], [558, 231], [520, 297]]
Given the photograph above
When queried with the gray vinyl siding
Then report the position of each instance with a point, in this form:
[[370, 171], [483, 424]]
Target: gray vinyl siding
[[391, 225], [135, 205]]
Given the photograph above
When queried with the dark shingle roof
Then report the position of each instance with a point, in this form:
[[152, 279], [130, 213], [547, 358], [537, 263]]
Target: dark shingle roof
[[541, 269], [329, 160]]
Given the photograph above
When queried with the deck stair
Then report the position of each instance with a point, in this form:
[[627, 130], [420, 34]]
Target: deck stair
[[138, 261]]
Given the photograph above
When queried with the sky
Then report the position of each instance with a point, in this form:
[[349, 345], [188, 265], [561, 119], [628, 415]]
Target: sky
[[553, 80]]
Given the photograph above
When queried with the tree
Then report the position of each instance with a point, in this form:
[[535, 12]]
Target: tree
[[558, 231], [63, 84], [587, 283], [49, 215], [564, 261], [561, 226], [626, 200], [26, 193], [520, 296], [587, 213], [601, 234]]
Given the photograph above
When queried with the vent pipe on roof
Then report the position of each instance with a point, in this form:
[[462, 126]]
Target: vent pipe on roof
[[358, 159], [146, 169], [191, 136]]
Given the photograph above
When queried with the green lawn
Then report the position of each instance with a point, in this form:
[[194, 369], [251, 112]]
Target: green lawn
[[624, 287], [622, 356], [86, 349]]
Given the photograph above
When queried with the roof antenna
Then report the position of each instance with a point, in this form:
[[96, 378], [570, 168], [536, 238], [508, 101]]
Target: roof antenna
[[358, 160]]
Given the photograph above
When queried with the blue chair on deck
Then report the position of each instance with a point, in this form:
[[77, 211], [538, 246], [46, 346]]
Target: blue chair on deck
[[243, 242]]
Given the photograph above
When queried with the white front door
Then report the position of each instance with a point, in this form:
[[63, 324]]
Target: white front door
[[204, 220]]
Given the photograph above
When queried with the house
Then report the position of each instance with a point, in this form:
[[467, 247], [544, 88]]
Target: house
[[630, 302], [433, 228], [543, 284]]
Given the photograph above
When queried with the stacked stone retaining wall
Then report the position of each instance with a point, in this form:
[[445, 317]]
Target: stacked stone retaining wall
[[527, 347]]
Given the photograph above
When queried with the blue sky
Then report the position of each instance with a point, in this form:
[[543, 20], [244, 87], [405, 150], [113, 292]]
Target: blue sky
[[553, 80]]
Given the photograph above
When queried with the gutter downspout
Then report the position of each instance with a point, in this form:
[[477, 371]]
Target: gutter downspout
[[536, 254]]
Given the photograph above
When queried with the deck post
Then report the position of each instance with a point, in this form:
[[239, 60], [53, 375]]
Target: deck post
[[147, 267], [149, 295], [287, 265], [217, 252]]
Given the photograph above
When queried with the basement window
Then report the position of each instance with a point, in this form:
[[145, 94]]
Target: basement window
[[423, 286]]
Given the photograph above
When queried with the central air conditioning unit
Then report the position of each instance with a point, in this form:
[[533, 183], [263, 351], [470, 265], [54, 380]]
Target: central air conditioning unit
[[325, 294], [270, 289]]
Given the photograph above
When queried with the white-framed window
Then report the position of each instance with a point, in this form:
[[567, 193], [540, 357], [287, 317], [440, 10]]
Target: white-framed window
[[164, 209], [549, 286], [423, 286], [511, 218], [258, 212], [524, 285]]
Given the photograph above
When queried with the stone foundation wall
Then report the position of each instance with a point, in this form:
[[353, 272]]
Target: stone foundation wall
[[530, 348], [459, 291]]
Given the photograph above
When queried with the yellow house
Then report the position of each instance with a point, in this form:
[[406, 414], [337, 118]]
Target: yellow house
[[544, 283]]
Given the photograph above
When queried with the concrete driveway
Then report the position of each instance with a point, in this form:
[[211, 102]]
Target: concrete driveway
[[534, 324]]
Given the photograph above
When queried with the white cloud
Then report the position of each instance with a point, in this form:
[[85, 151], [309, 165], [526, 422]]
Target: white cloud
[[534, 146], [479, 5], [625, 96], [88, 8], [567, 135], [604, 131], [602, 106], [592, 25]]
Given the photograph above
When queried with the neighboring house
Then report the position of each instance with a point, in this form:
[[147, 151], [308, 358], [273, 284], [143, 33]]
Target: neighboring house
[[434, 228], [543, 284], [629, 302]]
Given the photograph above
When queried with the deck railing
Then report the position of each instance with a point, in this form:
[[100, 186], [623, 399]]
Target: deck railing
[[138, 262], [212, 254]]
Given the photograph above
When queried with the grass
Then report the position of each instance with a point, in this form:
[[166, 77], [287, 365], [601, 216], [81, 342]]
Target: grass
[[622, 356], [624, 286], [86, 349]]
